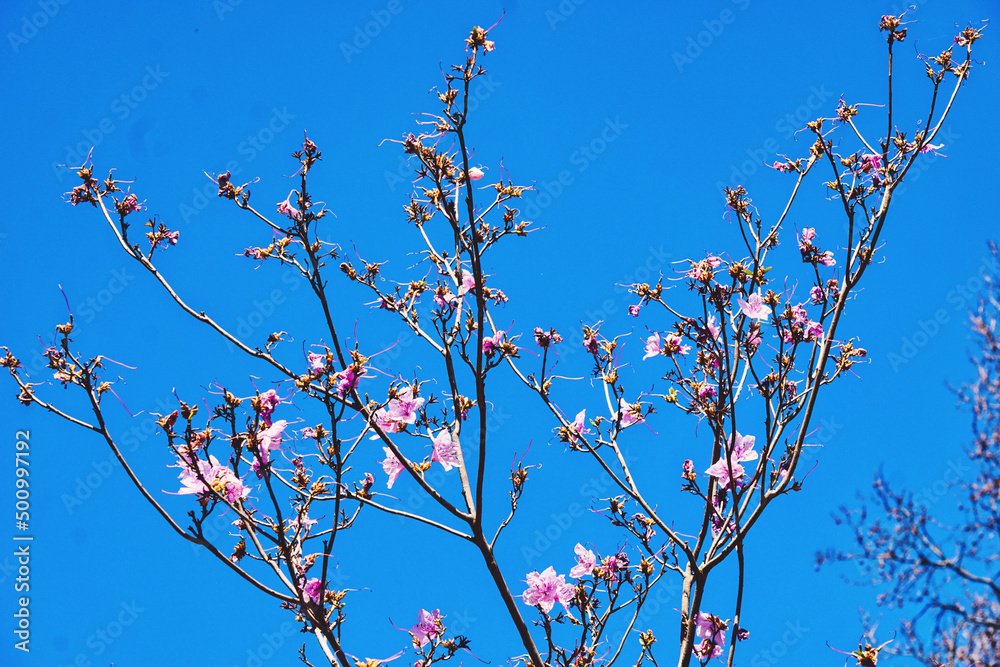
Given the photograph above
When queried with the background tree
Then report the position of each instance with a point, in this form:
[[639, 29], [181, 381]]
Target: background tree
[[943, 559]]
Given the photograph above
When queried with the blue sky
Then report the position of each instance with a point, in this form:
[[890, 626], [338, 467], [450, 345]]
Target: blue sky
[[630, 120]]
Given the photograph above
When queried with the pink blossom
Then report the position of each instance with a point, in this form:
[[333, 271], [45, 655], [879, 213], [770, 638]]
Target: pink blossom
[[633, 311], [286, 208], [578, 426], [547, 588], [317, 362], [754, 307], [826, 258], [813, 330], [611, 566], [713, 327], [312, 589], [547, 338], [268, 439], [707, 391], [740, 450], [672, 345], [385, 422], [220, 479], [347, 381], [403, 408], [816, 295], [712, 631], [585, 562], [704, 270], [780, 166], [476, 173], [870, 162], [428, 626], [468, 283], [652, 346], [444, 297], [590, 343], [446, 450], [629, 414], [806, 237], [130, 204], [391, 465], [492, 344], [367, 482], [269, 400], [932, 148], [306, 523]]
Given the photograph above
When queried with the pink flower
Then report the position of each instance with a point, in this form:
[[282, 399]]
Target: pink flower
[[713, 327], [128, 205], [446, 450], [816, 295], [633, 311], [611, 566], [870, 162], [317, 362], [590, 342], [585, 562], [443, 297], [672, 345], [579, 426], [268, 439], [391, 465], [428, 626], [932, 148], [826, 258], [220, 479], [706, 391], [712, 630], [780, 166], [492, 344], [629, 414], [286, 208], [269, 400], [806, 237], [740, 450], [547, 338], [403, 408], [703, 271], [652, 346], [476, 173], [754, 307], [347, 381], [307, 523], [312, 589], [468, 283], [547, 588]]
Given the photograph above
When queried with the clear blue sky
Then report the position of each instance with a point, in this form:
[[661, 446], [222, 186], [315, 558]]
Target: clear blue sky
[[688, 98]]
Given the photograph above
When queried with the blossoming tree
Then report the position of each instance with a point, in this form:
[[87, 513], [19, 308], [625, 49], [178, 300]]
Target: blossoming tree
[[742, 355]]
